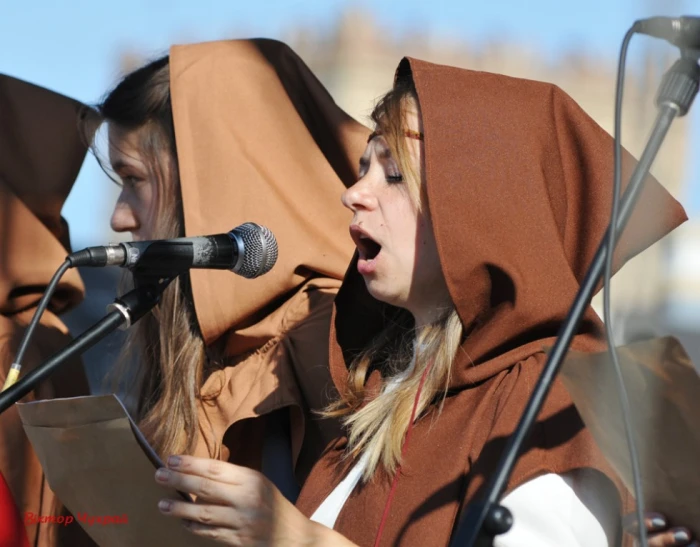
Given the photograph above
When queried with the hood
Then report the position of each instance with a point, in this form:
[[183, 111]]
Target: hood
[[259, 139], [41, 152]]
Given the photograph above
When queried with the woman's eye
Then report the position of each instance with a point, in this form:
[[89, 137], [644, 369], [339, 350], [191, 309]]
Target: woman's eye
[[363, 168], [130, 180], [391, 171]]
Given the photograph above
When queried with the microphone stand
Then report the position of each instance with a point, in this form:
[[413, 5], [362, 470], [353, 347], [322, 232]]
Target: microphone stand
[[485, 519], [123, 313]]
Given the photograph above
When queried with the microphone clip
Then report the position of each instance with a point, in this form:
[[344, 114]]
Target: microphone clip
[[142, 299]]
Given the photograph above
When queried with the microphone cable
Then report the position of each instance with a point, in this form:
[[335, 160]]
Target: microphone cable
[[607, 276], [13, 373]]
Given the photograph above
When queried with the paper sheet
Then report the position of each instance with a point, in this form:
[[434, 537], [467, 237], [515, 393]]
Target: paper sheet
[[97, 462], [663, 388]]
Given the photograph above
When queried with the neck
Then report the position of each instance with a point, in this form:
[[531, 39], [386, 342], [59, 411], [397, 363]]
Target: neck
[[428, 315]]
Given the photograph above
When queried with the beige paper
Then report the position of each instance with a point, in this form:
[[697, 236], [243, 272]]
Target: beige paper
[[663, 388], [101, 468]]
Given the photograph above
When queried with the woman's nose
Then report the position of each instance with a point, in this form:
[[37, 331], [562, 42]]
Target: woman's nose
[[358, 197], [123, 217]]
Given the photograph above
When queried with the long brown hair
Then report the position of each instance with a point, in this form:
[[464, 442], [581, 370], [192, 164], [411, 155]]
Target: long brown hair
[[401, 351], [166, 345]]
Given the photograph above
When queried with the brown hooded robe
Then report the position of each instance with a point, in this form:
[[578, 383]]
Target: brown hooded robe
[[259, 139], [40, 156], [519, 186]]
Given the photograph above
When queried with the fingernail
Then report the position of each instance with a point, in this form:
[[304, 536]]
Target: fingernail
[[162, 474], [173, 461], [165, 505], [658, 523], [681, 535]]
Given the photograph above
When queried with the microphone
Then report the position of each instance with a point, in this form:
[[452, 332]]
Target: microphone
[[250, 250], [683, 32]]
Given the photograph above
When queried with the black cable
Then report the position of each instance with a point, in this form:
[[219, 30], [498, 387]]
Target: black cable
[[41, 308], [622, 391]]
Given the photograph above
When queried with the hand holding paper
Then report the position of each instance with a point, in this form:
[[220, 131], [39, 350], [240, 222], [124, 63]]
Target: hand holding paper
[[238, 506]]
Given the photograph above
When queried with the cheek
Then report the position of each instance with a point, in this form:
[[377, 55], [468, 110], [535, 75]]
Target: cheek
[[408, 234], [148, 196], [426, 250], [403, 226], [147, 203]]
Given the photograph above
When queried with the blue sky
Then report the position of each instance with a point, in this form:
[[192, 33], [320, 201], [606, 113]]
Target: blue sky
[[73, 46]]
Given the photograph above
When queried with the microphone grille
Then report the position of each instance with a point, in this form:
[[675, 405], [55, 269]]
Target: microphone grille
[[259, 253]]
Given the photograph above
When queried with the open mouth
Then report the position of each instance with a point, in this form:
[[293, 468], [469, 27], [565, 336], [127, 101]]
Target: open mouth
[[368, 248]]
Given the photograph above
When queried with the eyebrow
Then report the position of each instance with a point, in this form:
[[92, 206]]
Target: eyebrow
[[384, 153], [119, 165], [410, 133], [382, 150]]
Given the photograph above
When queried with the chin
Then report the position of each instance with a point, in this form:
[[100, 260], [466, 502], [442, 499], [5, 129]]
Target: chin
[[382, 293]]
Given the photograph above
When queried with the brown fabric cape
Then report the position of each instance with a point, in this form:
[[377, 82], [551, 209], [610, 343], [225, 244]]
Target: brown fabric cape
[[519, 184], [260, 139], [40, 156]]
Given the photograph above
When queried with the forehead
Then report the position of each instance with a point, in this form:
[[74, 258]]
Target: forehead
[[124, 144], [412, 121]]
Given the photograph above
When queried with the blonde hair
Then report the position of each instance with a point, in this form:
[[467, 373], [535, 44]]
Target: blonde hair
[[377, 429], [165, 346]]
